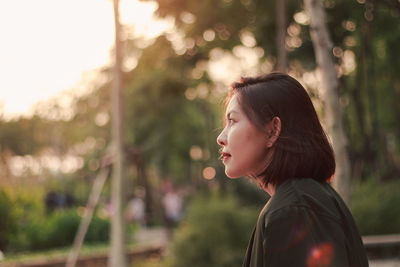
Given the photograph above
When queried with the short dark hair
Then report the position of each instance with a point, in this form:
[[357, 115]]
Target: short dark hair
[[302, 149]]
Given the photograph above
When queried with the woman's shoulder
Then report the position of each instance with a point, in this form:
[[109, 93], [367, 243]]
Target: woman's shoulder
[[296, 197]]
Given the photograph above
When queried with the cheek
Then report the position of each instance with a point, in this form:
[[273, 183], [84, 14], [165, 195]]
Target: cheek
[[238, 136], [254, 148], [243, 137], [251, 139]]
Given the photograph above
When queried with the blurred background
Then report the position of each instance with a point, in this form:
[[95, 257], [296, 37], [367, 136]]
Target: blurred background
[[179, 58]]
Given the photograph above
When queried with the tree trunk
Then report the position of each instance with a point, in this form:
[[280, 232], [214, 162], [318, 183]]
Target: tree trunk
[[364, 155], [329, 86], [117, 250], [281, 35], [377, 148]]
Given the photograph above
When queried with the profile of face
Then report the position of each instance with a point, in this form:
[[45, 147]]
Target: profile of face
[[244, 147]]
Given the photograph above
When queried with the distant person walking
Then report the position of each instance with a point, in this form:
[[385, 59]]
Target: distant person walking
[[172, 202], [136, 209]]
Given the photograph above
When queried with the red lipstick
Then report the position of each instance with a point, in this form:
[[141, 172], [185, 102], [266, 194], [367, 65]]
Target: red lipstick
[[225, 156]]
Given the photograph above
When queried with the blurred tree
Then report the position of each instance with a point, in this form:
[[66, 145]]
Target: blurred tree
[[167, 123], [117, 253], [165, 119], [330, 95]]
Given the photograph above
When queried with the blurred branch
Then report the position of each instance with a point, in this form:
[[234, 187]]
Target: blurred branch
[[87, 217]]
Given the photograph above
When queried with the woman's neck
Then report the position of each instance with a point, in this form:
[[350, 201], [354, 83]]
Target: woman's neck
[[270, 189]]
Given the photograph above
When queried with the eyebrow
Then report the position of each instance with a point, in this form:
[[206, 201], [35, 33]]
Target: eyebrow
[[230, 112]]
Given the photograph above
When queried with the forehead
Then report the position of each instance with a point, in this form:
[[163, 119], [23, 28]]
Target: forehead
[[233, 104]]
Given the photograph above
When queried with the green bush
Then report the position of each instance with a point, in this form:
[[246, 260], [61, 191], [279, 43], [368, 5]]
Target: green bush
[[41, 232], [7, 220], [376, 207], [63, 226], [20, 206], [24, 225], [99, 231], [59, 230], [215, 232]]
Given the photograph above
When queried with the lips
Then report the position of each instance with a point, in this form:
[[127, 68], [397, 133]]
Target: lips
[[225, 156]]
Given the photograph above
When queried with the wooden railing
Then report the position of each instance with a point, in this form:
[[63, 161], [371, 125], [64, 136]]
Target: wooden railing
[[381, 240], [382, 246]]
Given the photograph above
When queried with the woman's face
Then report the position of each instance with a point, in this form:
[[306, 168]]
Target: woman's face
[[244, 146]]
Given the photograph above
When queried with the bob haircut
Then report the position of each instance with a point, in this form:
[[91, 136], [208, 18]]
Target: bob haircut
[[302, 149]]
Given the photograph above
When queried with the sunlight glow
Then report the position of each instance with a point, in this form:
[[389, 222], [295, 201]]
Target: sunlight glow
[[20, 165], [225, 67], [48, 45], [248, 39], [50, 160]]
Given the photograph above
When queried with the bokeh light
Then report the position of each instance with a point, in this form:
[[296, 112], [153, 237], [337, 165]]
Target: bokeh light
[[209, 173], [196, 152]]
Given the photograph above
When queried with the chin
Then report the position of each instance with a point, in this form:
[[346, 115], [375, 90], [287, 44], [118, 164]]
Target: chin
[[233, 175]]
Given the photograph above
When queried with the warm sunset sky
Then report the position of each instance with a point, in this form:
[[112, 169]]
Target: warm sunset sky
[[46, 45]]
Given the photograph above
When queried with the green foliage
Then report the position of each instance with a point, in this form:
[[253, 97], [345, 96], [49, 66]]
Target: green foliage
[[376, 208], [215, 233], [248, 192], [99, 231], [58, 230], [24, 136], [161, 122], [7, 221], [61, 229], [24, 205], [25, 226]]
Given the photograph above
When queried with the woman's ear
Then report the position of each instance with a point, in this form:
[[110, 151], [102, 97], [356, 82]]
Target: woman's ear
[[273, 129]]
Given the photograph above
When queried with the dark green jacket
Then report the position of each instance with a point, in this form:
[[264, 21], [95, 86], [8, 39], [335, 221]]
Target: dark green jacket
[[305, 223]]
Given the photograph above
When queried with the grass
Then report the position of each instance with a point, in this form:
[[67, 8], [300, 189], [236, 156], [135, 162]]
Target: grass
[[58, 253]]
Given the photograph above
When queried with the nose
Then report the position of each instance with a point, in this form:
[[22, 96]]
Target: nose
[[221, 139]]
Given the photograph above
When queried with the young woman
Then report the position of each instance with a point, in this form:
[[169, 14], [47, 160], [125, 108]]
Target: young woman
[[272, 135]]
